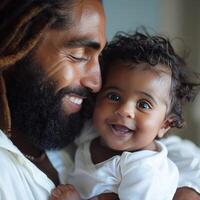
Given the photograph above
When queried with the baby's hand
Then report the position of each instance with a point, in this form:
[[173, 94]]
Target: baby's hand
[[65, 192]]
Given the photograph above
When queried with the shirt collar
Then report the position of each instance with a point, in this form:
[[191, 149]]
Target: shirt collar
[[7, 144]]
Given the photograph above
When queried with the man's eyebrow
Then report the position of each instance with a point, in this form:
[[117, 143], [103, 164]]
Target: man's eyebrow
[[82, 43]]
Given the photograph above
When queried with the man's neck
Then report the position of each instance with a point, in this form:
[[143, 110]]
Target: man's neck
[[24, 145], [36, 156]]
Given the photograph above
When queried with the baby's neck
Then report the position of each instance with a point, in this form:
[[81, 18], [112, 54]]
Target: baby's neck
[[151, 147], [101, 153]]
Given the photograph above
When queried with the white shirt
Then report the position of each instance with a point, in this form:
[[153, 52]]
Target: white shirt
[[184, 153], [186, 156], [142, 175], [22, 180]]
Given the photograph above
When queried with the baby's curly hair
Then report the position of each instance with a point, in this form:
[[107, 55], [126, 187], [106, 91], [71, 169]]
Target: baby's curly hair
[[142, 47]]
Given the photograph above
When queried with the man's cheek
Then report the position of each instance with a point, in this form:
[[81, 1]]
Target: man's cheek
[[63, 77]]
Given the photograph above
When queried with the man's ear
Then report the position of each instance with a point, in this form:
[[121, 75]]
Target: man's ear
[[166, 125]]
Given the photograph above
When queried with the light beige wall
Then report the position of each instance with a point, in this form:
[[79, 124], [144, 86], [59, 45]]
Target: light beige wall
[[181, 18], [174, 18]]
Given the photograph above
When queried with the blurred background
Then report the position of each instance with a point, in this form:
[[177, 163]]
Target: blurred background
[[177, 19]]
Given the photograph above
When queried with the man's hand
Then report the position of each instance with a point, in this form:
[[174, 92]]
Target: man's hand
[[106, 196], [186, 193], [64, 192], [183, 193]]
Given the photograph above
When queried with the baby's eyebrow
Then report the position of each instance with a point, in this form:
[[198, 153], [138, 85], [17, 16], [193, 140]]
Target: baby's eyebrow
[[148, 95], [113, 88], [163, 100]]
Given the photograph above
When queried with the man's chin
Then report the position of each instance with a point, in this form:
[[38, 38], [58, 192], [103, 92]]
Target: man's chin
[[59, 132]]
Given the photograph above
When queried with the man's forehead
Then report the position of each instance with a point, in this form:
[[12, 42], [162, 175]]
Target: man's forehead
[[87, 27]]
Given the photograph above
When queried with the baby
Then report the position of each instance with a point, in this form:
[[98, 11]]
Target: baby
[[145, 84]]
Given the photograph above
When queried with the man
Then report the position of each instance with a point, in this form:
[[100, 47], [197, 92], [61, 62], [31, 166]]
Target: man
[[49, 65]]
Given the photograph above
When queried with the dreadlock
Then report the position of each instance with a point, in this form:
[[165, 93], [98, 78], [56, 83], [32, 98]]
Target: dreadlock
[[22, 25]]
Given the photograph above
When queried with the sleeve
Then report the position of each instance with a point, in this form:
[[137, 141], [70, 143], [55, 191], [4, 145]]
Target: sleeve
[[147, 181], [186, 156]]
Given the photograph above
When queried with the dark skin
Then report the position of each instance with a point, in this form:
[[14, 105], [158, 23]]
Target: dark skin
[[43, 164], [100, 151], [183, 193], [68, 192], [108, 196], [72, 72], [186, 193], [71, 61]]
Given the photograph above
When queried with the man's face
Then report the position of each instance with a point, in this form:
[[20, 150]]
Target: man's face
[[70, 57], [46, 96]]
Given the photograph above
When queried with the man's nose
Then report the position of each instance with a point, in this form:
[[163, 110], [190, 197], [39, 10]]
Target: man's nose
[[126, 110], [92, 78]]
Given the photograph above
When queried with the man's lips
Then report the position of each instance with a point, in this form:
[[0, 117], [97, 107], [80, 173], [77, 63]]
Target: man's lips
[[72, 103], [75, 100]]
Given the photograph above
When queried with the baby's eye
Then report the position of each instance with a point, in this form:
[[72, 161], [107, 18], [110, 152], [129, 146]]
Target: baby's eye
[[113, 97], [144, 105]]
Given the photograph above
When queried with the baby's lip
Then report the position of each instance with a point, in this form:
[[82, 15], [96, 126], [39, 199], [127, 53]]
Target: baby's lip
[[121, 130], [126, 124]]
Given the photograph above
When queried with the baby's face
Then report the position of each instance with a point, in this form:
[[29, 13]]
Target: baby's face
[[131, 107]]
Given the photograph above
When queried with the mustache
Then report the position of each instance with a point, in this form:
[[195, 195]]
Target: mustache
[[83, 92]]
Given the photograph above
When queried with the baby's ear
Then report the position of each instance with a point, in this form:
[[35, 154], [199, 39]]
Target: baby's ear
[[166, 125]]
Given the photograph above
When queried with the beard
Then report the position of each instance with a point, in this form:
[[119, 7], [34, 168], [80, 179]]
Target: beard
[[36, 110]]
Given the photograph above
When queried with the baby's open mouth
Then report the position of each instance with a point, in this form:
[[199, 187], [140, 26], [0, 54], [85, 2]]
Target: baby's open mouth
[[120, 129]]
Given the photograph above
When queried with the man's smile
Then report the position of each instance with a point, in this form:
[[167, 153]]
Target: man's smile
[[75, 100], [72, 103]]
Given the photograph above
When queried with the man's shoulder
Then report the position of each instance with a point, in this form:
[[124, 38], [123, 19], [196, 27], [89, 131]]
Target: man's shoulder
[[9, 165], [8, 153], [7, 159]]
